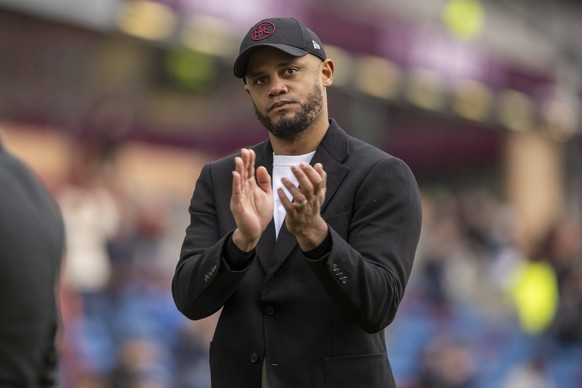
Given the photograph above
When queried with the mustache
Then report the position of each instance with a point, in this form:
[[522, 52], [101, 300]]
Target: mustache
[[279, 103]]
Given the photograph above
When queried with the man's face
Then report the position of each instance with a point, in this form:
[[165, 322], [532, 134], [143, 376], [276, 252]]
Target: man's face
[[286, 91]]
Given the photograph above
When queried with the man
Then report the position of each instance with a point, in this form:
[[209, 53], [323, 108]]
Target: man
[[31, 248], [308, 267]]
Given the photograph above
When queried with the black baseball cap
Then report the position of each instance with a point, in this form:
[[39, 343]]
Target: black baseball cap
[[285, 34]]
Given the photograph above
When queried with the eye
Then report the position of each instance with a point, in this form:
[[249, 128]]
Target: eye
[[260, 81], [290, 70]]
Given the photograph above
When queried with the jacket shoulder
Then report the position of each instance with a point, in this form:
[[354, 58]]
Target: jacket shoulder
[[346, 148], [227, 162]]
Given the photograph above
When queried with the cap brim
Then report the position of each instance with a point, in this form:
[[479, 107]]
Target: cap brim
[[240, 65]]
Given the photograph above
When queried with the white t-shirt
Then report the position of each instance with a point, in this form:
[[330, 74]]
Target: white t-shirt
[[282, 168]]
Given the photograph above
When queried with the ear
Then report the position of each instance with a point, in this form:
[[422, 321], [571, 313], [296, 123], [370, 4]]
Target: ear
[[327, 68]]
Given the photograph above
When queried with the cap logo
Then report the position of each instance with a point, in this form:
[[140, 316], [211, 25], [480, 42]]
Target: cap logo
[[263, 31], [315, 45]]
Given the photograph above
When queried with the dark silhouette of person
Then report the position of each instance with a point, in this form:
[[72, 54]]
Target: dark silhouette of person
[[31, 252]]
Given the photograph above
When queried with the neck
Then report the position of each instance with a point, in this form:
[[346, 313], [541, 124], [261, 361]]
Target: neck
[[305, 142]]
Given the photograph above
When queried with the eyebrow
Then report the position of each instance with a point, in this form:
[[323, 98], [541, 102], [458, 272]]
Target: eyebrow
[[281, 64]]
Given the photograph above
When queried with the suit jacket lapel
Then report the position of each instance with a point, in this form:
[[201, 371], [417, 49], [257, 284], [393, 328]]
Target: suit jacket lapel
[[331, 154]]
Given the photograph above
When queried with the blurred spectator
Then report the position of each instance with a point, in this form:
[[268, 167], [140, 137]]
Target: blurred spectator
[[529, 374], [562, 246], [91, 219], [447, 363], [534, 290], [567, 326], [140, 366]]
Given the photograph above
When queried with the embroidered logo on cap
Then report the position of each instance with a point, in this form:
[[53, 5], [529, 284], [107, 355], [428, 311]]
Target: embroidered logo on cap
[[315, 45], [263, 31]]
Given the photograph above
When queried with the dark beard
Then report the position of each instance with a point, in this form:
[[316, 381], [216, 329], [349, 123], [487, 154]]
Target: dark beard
[[290, 127]]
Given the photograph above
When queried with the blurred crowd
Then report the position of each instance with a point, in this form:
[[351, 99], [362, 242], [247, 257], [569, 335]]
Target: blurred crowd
[[484, 307], [120, 325]]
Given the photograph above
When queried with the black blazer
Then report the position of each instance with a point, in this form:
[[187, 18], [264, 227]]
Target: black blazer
[[31, 247], [319, 323]]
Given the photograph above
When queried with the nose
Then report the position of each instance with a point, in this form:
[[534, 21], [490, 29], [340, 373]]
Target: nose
[[278, 87]]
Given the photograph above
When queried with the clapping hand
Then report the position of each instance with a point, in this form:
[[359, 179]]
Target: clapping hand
[[252, 200], [304, 212]]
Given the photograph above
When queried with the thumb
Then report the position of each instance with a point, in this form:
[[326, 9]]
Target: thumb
[[264, 179]]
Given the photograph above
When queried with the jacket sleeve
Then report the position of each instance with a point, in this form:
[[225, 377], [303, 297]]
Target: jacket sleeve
[[203, 280], [367, 269]]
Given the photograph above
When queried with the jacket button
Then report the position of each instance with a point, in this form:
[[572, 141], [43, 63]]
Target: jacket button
[[269, 310], [254, 358]]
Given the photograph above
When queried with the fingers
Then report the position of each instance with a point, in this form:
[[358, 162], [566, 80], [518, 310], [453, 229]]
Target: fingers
[[237, 176], [311, 186], [249, 162], [285, 201], [319, 169], [245, 163], [311, 179], [243, 169], [264, 179], [296, 194]]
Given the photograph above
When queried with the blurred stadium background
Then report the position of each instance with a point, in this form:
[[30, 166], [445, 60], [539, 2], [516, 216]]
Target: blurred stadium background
[[116, 104]]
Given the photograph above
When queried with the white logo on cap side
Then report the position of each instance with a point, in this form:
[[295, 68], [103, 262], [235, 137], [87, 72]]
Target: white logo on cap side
[[315, 45]]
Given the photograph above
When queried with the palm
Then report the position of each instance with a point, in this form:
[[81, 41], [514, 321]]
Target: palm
[[253, 208], [252, 199]]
